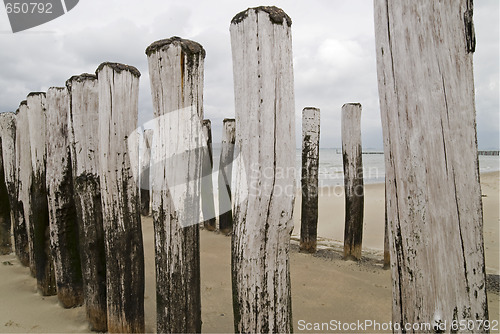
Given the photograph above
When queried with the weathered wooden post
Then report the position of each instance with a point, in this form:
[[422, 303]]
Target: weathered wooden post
[[176, 72], [310, 170], [62, 213], [39, 210], [353, 180], [118, 107], [225, 175], [261, 44], [5, 218], [147, 138], [207, 186], [25, 175], [8, 137], [426, 86], [84, 145]]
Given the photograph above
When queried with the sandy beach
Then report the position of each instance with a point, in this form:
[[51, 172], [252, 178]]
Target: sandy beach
[[324, 287]]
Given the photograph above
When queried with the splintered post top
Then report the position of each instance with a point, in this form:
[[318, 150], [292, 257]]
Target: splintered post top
[[189, 47], [119, 67]]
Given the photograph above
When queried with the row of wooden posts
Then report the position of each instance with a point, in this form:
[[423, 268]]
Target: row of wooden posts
[[77, 141]]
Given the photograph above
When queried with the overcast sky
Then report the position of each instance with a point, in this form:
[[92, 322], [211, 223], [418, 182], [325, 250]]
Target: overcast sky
[[333, 49]]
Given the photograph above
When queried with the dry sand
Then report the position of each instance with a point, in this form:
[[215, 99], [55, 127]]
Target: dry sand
[[324, 287]]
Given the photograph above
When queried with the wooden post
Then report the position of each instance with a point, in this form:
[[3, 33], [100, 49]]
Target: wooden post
[[353, 180], [62, 213], [84, 146], [261, 44], [8, 137], [25, 175], [426, 87], [5, 218], [118, 107], [147, 139], [225, 175], [310, 170], [39, 213], [207, 186], [176, 72]]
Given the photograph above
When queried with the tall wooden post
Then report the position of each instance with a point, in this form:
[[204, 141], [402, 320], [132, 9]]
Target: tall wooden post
[[25, 175], [118, 107], [310, 170], [147, 139], [62, 213], [353, 180], [225, 175], [5, 218], [39, 213], [426, 86], [176, 72], [207, 186], [8, 137], [261, 44], [84, 146]]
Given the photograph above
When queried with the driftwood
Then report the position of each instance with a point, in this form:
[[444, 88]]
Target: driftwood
[[309, 184], [426, 87], [176, 73], [353, 180], [84, 141], [39, 210], [264, 191], [225, 175], [62, 213], [118, 103]]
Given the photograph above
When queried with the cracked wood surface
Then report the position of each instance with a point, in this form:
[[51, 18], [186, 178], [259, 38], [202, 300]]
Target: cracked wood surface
[[264, 175], [118, 165], [226, 175], [426, 87]]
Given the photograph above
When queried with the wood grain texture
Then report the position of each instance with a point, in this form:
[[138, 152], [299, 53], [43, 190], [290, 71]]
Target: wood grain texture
[[9, 183], [207, 186], [25, 175], [118, 103], [265, 173], [64, 237], [309, 183], [147, 140], [39, 209], [84, 142], [176, 69], [226, 175], [426, 87], [353, 180]]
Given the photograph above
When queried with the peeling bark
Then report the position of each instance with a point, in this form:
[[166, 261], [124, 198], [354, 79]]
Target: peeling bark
[[225, 175], [353, 180], [39, 210], [118, 163], [310, 169], [62, 212], [426, 87], [84, 138], [265, 171], [176, 72]]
